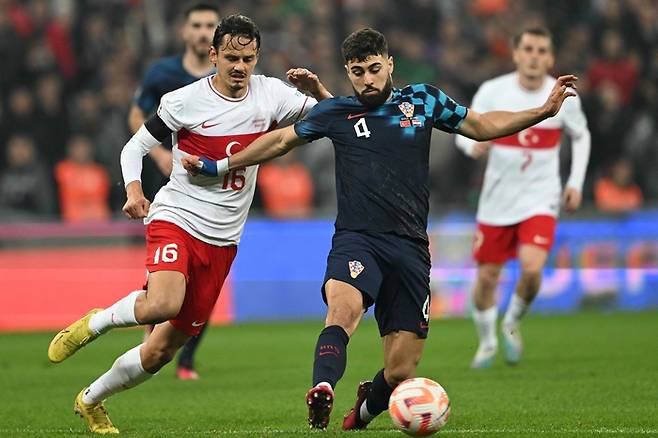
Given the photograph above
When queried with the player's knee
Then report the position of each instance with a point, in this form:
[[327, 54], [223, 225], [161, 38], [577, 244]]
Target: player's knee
[[344, 308], [488, 277], [345, 315], [399, 373], [531, 281], [155, 357], [153, 310], [531, 271]]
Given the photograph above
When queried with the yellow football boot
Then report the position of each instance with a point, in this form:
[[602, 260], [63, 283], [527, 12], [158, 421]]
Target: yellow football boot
[[71, 339], [96, 416]]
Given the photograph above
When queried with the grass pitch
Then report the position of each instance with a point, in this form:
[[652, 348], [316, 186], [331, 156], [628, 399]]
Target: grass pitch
[[582, 375]]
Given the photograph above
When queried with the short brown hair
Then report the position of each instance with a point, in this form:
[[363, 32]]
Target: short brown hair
[[534, 30]]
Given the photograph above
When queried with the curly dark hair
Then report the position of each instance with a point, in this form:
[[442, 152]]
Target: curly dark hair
[[363, 43], [237, 26]]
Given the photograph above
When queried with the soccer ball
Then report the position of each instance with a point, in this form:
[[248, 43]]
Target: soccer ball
[[419, 407]]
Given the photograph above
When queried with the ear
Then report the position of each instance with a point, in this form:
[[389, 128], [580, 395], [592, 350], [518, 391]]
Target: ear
[[391, 64], [515, 56], [551, 60], [212, 55], [347, 69]]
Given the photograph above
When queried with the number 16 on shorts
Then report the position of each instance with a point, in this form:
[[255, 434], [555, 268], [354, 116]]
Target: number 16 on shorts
[[169, 253]]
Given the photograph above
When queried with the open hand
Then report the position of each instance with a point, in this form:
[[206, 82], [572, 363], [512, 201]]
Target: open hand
[[560, 92]]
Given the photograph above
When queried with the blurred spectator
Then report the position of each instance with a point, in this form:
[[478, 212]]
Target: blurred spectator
[[286, 188], [51, 118], [25, 186], [615, 65], [83, 185], [19, 115], [70, 66], [609, 124], [617, 192]]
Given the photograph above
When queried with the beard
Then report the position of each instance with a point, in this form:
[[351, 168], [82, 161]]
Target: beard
[[201, 48], [375, 99]]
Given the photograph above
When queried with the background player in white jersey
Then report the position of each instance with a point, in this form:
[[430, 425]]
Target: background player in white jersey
[[520, 198], [194, 223]]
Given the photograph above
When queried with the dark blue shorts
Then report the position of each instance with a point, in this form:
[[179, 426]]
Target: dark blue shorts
[[392, 272]]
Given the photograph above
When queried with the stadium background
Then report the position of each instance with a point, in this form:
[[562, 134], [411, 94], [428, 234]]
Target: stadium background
[[69, 70]]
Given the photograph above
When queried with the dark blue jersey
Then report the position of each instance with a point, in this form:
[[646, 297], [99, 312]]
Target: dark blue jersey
[[382, 156], [163, 76]]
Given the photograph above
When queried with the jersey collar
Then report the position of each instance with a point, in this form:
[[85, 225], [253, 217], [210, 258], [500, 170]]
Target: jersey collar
[[230, 99]]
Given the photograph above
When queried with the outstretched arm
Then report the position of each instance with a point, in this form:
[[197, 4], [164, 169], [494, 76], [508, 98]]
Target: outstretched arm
[[270, 145], [495, 124]]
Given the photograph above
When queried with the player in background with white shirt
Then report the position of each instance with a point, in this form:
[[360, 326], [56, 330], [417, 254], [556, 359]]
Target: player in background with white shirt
[[521, 194], [194, 223]]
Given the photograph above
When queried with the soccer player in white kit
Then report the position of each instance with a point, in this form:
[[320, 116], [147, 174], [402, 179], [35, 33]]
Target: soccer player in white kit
[[194, 223], [521, 195]]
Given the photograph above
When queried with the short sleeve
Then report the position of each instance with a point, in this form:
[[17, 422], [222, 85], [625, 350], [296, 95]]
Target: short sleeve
[[147, 95], [170, 111], [316, 123], [448, 115], [292, 104]]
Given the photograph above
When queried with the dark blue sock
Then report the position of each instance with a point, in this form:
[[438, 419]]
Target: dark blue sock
[[378, 395], [186, 356], [330, 355]]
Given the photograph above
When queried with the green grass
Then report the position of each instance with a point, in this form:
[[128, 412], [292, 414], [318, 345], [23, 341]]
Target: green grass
[[582, 374]]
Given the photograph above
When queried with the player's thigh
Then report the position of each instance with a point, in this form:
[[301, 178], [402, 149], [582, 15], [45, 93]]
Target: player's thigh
[[353, 261], [402, 353], [404, 299], [536, 236], [494, 244], [488, 274], [532, 258], [168, 256], [208, 272]]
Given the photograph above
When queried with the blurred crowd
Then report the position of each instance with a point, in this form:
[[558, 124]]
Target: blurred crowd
[[70, 68]]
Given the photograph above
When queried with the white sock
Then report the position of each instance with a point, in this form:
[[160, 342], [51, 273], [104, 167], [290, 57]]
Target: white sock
[[364, 414], [119, 314], [485, 323], [325, 384], [126, 372], [515, 311]]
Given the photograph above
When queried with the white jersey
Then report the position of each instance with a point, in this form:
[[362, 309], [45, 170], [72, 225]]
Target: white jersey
[[522, 178], [204, 122]]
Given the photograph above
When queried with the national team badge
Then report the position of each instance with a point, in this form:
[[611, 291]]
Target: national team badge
[[407, 109], [409, 120], [355, 268]]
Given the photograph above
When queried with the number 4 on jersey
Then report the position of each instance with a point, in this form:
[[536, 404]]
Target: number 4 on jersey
[[361, 128]]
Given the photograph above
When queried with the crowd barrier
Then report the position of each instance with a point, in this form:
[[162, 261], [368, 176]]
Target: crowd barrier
[[607, 264]]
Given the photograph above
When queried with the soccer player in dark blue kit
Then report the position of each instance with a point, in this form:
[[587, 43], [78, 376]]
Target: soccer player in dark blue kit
[[165, 75], [379, 253]]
